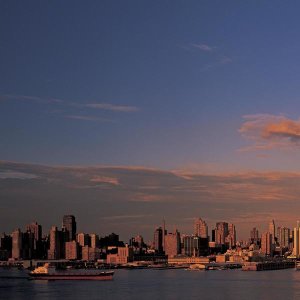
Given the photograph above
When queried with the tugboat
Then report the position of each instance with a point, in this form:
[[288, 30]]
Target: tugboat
[[48, 272]]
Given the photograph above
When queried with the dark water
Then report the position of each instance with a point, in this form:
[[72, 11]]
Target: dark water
[[159, 284]]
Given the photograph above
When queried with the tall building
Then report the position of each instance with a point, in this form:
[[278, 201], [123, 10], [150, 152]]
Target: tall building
[[36, 229], [194, 245], [83, 239], [296, 239], [158, 240], [172, 244], [254, 236], [231, 237], [94, 238], [16, 244], [283, 237], [72, 250], [272, 230], [200, 228], [54, 251], [266, 244], [221, 233], [69, 224]]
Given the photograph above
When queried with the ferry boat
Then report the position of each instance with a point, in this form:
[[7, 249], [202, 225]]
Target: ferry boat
[[48, 272]]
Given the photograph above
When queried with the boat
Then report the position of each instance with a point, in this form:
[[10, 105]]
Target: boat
[[48, 272]]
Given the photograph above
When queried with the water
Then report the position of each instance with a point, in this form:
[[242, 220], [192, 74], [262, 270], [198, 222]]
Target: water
[[159, 284]]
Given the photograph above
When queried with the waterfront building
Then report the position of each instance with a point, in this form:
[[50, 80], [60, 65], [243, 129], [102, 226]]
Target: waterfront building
[[36, 230], [266, 244], [90, 253], [123, 256], [194, 245], [83, 239], [158, 240], [69, 224], [172, 244], [94, 239], [54, 251], [296, 239], [16, 244], [5, 245], [283, 237], [72, 250], [200, 228]]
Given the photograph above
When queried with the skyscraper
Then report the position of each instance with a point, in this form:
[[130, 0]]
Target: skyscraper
[[283, 234], [272, 230], [231, 237], [158, 240], [266, 244], [296, 238], [200, 228], [172, 244], [16, 244], [69, 224], [221, 233], [54, 251], [35, 229], [254, 236]]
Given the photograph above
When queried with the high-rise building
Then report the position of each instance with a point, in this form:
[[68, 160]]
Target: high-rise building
[[158, 240], [194, 245], [254, 236], [272, 230], [6, 245], [36, 229], [94, 238], [90, 253], [296, 239], [221, 233], [69, 224], [231, 237], [200, 228], [54, 251], [16, 244], [283, 237], [83, 239], [72, 250], [266, 244], [172, 244]]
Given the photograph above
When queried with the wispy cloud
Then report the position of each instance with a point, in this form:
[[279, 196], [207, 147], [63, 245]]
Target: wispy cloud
[[42, 100], [72, 109], [267, 131], [203, 47], [121, 194], [112, 107], [8, 174], [105, 179], [87, 118]]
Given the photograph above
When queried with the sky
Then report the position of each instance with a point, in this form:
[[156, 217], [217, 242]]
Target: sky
[[200, 96]]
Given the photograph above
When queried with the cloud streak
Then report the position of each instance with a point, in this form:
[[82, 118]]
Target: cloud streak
[[87, 118], [268, 132], [203, 47], [106, 192], [112, 107]]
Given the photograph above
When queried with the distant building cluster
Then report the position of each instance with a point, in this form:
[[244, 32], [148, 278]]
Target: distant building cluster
[[66, 243]]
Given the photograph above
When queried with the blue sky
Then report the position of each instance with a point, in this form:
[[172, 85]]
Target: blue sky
[[195, 87], [191, 70]]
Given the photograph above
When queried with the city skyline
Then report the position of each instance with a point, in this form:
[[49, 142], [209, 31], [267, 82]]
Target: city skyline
[[126, 113]]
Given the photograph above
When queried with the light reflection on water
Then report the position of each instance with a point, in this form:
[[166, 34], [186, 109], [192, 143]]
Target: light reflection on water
[[159, 284]]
